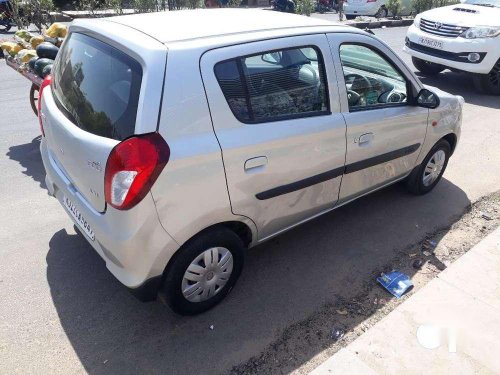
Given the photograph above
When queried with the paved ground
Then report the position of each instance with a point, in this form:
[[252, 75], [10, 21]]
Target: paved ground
[[63, 312], [451, 325]]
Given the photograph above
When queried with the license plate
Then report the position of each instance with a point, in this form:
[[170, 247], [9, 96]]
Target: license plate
[[430, 42], [80, 220]]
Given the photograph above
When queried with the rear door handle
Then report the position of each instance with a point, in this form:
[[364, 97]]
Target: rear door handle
[[364, 139], [255, 164]]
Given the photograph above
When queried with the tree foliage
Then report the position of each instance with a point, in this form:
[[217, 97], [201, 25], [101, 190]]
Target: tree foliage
[[394, 7], [35, 12], [305, 7], [420, 6]]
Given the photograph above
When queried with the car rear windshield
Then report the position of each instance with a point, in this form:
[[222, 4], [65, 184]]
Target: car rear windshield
[[97, 87]]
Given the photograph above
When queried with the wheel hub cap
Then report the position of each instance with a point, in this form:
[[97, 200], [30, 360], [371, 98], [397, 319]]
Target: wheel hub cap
[[207, 274], [434, 167]]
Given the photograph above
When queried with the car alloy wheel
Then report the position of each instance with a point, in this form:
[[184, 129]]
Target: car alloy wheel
[[433, 168], [207, 274]]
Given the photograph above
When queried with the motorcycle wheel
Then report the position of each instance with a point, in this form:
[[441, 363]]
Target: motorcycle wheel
[[5, 29]]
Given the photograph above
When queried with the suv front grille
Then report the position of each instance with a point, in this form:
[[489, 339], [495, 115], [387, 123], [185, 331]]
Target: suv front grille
[[441, 29]]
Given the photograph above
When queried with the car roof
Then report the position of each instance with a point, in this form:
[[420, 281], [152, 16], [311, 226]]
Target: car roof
[[183, 25]]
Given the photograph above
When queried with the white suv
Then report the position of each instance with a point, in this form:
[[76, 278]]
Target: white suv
[[175, 148], [463, 37]]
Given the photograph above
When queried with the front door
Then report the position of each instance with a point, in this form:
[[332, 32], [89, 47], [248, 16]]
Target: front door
[[385, 130], [280, 129]]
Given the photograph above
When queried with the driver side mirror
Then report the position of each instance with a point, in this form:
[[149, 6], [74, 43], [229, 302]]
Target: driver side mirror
[[427, 99]]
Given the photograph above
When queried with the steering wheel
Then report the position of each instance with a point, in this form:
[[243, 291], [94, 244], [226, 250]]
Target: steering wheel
[[359, 87]]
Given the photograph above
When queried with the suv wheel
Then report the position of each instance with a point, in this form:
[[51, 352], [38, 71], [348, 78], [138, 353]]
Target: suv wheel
[[489, 83], [425, 176], [426, 67], [204, 271], [382, 12]]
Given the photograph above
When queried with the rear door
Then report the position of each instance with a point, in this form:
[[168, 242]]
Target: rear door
[[275, 112], [95, 103], [385, 129]]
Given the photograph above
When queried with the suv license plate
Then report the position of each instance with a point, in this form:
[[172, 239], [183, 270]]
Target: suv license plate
[[428, 42], [80, 220]]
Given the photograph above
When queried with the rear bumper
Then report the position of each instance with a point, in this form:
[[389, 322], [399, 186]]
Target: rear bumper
[[453, 51], [134, 245]]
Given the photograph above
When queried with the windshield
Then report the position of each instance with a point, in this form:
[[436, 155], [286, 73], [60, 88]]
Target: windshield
[[360, 57], [490, 3]]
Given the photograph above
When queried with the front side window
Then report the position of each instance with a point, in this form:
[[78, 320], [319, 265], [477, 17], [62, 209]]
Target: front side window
[[371, 80], [275, 85]]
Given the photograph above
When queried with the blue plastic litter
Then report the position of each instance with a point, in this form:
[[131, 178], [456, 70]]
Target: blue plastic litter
[[395, 282]]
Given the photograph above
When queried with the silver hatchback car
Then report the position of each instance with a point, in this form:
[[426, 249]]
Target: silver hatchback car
[[175, 147]]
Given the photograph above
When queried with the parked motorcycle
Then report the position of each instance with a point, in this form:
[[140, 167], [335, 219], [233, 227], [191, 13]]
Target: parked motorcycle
[[287, 6], [323, 6], [6, 18]]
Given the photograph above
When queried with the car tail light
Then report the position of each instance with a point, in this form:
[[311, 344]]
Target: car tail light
[[132, 168], [46, 82]]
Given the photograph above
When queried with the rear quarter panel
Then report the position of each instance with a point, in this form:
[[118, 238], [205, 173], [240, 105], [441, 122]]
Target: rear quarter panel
[[191, 193]]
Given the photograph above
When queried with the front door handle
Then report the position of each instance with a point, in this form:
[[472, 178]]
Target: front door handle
[[364, 139], [255, 164]]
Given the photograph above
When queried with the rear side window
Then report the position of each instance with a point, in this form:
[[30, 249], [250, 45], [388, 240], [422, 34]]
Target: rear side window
[[275, 85], [97, 87]]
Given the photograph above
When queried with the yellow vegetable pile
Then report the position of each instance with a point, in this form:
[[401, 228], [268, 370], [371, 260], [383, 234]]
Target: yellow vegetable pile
[[57, 30], [24, 48], [12, 48], [36, 40]]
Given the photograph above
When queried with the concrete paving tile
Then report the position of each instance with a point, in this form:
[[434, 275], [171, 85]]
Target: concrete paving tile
[[391, 346], [343, 362], [477, 272]]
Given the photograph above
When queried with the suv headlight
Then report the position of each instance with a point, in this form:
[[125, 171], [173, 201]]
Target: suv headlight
[[481, 32], [416, 21]]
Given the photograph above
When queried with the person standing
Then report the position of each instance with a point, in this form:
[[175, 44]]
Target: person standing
[[341, 10]]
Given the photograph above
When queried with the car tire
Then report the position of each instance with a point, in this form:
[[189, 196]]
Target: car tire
[[5, 29], [427, 68], [419, 182], [350, 16], [489, 83], [179, 281], [382, 12]]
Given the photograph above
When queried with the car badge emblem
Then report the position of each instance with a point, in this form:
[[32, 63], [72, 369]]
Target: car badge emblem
[[438, 25], [95, 165]]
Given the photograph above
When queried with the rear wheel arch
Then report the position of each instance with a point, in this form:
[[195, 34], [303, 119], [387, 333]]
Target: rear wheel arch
[[242, 230]]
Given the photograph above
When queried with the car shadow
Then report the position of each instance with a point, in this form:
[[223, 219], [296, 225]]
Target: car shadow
[[460, 84], [285, 281], [28, 155]]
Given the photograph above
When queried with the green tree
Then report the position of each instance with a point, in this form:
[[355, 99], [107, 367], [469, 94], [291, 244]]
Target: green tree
[[32, 11], [305, 7], [394, 6], [423, 5], [145, 6]]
